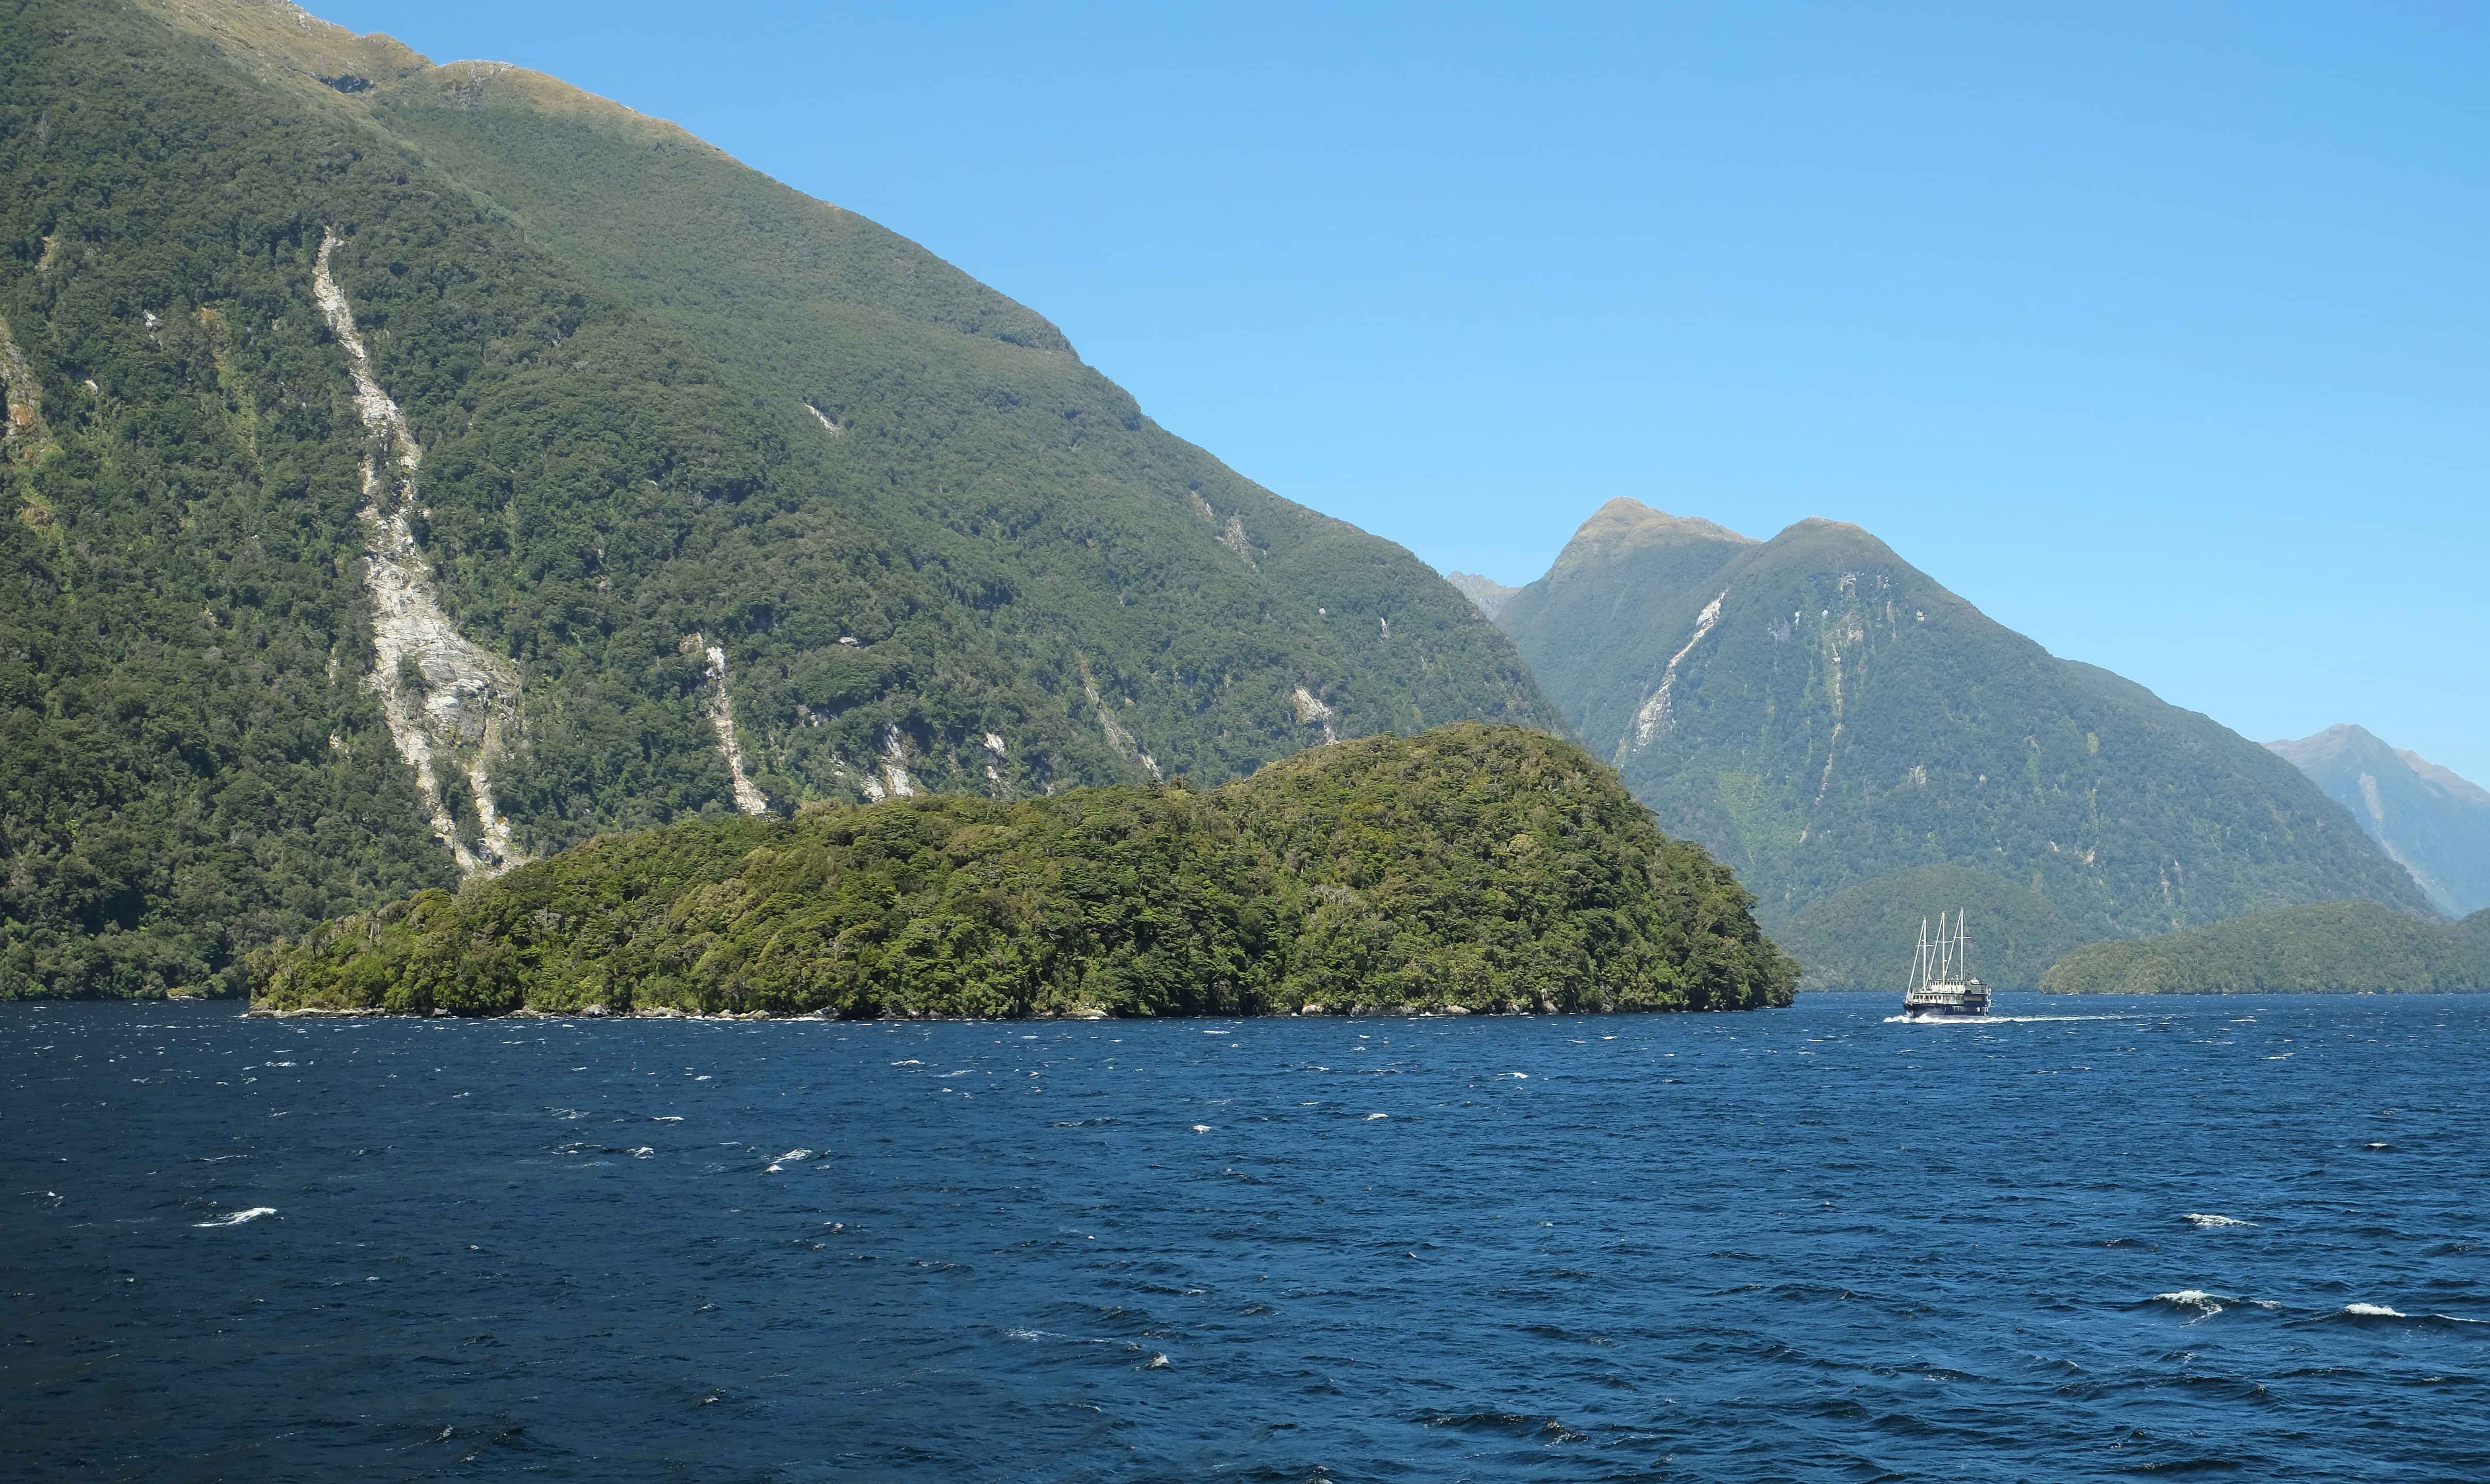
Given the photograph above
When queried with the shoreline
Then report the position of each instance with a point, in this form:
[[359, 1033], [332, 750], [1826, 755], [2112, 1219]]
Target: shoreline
[[1075, 1017]]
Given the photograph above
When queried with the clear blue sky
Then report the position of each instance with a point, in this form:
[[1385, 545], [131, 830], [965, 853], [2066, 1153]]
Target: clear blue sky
[[2161, 332]]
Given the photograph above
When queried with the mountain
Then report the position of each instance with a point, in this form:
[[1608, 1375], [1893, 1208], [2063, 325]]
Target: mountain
[[412, 469], [1606, 602], [2339, 947], [2427, 820], [1862, 935], [1472, 869], [1828, 719], [1485, 594]]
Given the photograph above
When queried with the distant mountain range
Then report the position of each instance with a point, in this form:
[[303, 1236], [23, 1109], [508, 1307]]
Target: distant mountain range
[[1486, 593], [1865, 746], [411, 468], [2427, 820]]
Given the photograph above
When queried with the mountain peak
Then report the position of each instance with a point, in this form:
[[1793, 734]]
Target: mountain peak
[[1821, 714], [2429, 820], [1625, 528], [1485, 594], [2340, 739], [1815, 532]]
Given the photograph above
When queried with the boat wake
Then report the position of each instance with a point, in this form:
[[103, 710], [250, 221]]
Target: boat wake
[[1996, 1020]]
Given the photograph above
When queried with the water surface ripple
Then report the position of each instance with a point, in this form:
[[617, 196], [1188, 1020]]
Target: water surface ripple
[[2242, 1236]]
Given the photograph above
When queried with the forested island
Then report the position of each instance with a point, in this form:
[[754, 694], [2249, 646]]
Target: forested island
[[2355, 948], [1472, 869]]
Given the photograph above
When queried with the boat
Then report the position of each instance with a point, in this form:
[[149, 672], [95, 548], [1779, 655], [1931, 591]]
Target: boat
[[1942, 986]]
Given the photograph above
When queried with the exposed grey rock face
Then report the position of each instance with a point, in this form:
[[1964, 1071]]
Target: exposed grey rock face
[[447, 700], [2430, 822]]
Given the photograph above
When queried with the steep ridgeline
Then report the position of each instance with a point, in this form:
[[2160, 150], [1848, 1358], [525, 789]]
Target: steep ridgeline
[[412, 471], [2323, 947], [1827, 719], [2427, 820], [1472, 870]]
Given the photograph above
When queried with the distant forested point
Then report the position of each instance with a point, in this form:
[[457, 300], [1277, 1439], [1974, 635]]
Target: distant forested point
[[1862, 937], [1473, 870], [2349, 948]]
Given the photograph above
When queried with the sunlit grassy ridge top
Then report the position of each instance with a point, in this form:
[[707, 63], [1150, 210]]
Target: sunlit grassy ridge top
[[1471, 868]]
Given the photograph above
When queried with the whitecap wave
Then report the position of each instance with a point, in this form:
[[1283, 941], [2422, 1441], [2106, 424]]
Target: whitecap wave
[[2194, 1300], [236, 1218], [2377, 1313]]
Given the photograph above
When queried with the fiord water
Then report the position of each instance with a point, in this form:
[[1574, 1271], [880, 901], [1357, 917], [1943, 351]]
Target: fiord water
[[2085, 1240]]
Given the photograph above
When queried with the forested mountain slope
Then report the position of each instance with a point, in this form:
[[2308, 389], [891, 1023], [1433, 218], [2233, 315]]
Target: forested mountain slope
[[413, 465], [1828, 719], [2426, 819], [1590, 624]]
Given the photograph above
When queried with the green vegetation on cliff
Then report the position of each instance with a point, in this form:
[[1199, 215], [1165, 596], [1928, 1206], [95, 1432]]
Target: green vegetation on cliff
[[2355, 948], [663, 405], [1476, 868]]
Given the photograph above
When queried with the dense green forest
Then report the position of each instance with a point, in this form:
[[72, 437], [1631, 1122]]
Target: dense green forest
[[2352, 947], [1826, 717], [1472, 868], [662, 403]]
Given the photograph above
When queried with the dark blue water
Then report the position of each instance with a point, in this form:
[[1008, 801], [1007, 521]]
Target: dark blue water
[[1796, 1245]]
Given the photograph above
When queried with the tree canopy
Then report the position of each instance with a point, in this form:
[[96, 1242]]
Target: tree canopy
[[1473, 868]]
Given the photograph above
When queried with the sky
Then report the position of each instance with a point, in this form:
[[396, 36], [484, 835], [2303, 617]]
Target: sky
[[2160, 332]]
